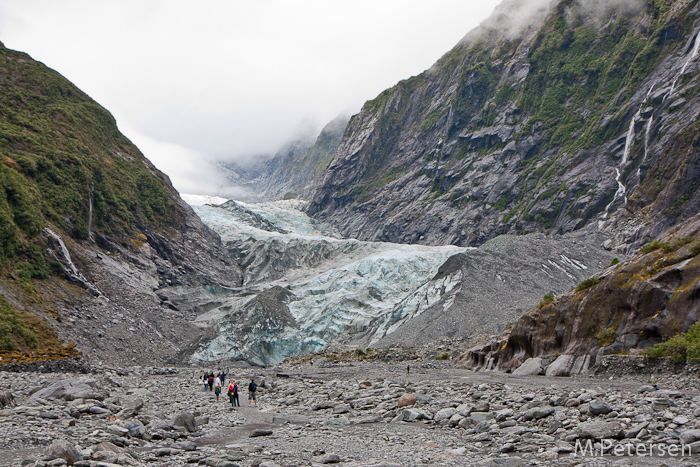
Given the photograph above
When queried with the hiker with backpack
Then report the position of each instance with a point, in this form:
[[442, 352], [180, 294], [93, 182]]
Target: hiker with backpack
[[252, 387]]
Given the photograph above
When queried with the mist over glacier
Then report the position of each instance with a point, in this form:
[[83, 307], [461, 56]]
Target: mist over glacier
[[336, 286]]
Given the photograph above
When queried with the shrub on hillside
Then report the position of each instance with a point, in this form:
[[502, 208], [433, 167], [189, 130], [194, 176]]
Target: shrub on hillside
[[14, 332], [681, 348]]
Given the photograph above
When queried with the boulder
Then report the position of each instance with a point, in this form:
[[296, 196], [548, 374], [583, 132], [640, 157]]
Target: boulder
[[598, 407], [444, 414], [6, 399], [537, 413], [410, 415], [690, 436], [501, 462], [406, 400], [136, 428], [561, 366], [185, 420], [531, 367], [62, 449], [600, 430]]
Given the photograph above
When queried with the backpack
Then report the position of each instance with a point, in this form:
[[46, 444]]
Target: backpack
[[253, 386]]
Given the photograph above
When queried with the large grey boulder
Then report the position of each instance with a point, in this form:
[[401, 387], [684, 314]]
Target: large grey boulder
[[690, 436], [531, 367], [185, 420], [600, 430], [561, 366]]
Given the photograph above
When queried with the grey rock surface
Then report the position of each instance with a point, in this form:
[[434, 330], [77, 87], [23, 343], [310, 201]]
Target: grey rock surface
[[374, 432]]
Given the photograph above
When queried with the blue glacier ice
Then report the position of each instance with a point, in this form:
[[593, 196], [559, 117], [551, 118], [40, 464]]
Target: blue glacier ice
[[338, 286]]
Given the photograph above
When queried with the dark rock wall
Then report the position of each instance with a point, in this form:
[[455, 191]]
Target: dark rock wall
[[514, 132]]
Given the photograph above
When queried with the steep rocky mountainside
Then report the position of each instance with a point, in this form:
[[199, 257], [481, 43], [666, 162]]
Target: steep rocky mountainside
[[294, 172], [624, 309], [540, 120], [90, 230]]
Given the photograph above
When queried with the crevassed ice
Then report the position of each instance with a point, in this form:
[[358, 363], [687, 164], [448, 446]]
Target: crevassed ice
[[390, 283]]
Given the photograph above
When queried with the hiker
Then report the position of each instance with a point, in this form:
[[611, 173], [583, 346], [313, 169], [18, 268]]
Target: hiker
[[408, 369], [210, 380], [233, 394], [217, 388], [223, 378], [252, 387]]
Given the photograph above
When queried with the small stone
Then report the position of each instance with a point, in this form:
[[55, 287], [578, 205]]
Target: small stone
[[598, 407], [328, 459]]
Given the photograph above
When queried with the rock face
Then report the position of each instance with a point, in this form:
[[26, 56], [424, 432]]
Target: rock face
[[584, 115], [294, 172], [626, 308], [99, 230]]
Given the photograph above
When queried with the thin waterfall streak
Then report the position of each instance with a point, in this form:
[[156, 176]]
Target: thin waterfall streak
[[693, 54], [647, 132]]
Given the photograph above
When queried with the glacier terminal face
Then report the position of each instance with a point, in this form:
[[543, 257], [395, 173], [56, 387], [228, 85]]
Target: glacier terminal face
[[332, 286]]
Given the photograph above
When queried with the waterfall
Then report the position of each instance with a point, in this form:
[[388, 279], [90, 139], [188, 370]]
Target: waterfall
[[693, 54], [629, 140], [90, 214], [68, 262], [621, 192], [64, 251], [647, 132]]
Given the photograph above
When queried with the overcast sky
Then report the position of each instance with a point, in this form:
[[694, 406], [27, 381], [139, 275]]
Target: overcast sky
[[190, 82]]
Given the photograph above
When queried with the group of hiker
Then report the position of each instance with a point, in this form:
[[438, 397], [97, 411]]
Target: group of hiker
[[212, 382]]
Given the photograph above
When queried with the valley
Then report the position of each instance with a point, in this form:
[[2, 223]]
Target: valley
[[306, 289]]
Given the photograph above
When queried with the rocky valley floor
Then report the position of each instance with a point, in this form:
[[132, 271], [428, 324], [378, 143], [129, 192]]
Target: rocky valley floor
[[350, 414]]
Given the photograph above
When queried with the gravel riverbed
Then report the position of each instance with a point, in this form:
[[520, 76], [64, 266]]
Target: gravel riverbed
[[349, 414]]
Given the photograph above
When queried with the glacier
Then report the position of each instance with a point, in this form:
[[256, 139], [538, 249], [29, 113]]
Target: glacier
[[305, 286]]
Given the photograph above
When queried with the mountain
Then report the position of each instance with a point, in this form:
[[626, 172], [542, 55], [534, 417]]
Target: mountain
[[545, 118], [91, 233], [294, 171]]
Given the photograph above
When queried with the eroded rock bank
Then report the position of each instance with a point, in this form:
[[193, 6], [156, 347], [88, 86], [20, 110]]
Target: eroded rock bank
[[624, 309]]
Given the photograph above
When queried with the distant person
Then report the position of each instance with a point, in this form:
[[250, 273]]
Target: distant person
[[408, 369], [210, 381], [233, 394], [217, 388], [252, 387], [223, 378]]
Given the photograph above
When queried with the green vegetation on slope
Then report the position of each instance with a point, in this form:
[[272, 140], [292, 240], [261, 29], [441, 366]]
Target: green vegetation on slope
[[65, 162], [14, 332], [681, 348]]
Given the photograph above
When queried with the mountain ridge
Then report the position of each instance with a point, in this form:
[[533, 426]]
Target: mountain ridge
[[515, 135], [90, 229]]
